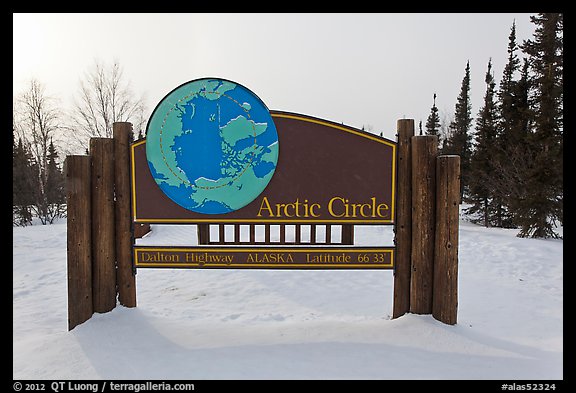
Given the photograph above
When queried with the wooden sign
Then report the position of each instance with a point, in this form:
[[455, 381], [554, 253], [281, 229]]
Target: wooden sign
[[264, 257], [325, 173], [214, 154]]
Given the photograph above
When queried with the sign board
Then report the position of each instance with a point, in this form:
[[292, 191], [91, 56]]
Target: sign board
[[215, 154], [264, 257]]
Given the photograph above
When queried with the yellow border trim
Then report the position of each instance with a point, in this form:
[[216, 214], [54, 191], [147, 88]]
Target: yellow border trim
[[133, 179], [390, 251], [258, 221], [338, 127]]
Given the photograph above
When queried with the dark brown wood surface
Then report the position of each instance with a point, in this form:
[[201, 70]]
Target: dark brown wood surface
[[424, 152], [79, 239], [319, 160], [125, 279], [103, 233], [445, 297], [346, 234], [403, 235]]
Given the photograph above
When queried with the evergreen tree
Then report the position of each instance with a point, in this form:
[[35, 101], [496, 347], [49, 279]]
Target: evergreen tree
[[515, 157], [482, 170], [544, 181], [23, 184], [459, 140], [433, 121], [55, 179], [507, 93], [509, 154]]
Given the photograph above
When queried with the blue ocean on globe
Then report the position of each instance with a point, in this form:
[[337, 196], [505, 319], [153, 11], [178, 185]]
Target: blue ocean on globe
[[212, 146]]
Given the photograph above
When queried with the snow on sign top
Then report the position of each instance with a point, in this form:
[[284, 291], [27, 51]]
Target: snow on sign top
[[243, 163]]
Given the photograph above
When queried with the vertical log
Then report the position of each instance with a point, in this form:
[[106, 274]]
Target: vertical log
[[403, 220], [79, 239], [445, 297], [125, 275], [424, 151], [103, 248]]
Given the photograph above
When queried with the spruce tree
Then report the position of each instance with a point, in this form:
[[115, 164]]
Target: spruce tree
[[509, 154], [507, 93], [23, 184], [433, 121], [55, 179], [544, 181], [459, 141], [482, 169], [515, 158]]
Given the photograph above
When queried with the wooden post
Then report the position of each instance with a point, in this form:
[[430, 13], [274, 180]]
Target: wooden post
[[445, 297], [424, 152], [125, 275], [79, 239], [103, 249], [313, 234], [221, 233], [266, 234], [203, 233], [403, 235], [236, 234], [347, 234], [298, 234]]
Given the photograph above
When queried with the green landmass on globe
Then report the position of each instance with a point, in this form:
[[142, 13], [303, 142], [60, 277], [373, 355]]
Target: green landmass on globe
[[212, 146]]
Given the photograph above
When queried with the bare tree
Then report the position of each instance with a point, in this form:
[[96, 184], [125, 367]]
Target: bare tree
[[445, 132], [105, 97], [36, 122]]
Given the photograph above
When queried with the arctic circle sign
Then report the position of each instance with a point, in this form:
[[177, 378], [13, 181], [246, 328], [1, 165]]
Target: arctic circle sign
[[211, 146], [211, 158]]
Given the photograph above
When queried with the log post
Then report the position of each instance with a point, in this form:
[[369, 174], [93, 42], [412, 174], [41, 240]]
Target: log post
[[445, 297], [424, 152], [403, 234], [79, 239], [103, 249], [126, 275]]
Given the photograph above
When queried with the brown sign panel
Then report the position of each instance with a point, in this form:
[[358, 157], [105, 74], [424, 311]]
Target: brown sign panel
[[264, 257], [326, 173]]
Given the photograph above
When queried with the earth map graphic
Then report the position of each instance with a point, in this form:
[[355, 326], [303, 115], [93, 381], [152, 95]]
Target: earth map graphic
[[212, 146]]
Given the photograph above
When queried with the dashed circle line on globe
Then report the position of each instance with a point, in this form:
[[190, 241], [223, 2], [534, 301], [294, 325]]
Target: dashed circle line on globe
[[187, 181]]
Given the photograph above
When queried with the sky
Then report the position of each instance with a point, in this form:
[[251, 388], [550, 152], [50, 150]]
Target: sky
[[366, 70]]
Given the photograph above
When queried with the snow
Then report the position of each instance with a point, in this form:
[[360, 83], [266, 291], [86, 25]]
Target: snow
[[193, 324]]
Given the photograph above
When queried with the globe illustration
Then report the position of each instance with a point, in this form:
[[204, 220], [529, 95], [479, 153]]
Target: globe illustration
[[211, 146]]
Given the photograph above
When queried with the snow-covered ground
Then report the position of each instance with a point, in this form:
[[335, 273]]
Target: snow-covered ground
[[293, 324]]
